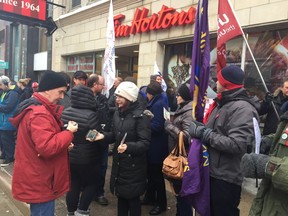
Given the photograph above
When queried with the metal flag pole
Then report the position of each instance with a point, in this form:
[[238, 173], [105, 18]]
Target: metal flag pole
[[261, 77], [258, 70]]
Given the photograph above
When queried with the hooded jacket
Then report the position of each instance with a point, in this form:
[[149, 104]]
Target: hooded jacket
[[233, 131], [83, 112], [128, 175], [41, 171]]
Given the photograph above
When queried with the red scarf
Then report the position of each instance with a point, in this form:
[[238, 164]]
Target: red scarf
[[211, 108]]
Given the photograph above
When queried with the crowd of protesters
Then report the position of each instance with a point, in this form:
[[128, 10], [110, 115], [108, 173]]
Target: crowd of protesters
[[69, 121]]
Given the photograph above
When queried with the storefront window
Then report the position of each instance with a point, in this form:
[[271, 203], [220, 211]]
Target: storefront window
[[82, 62], [270, 49]]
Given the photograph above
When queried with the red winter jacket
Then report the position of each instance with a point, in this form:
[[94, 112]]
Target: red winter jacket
[[41, 171]]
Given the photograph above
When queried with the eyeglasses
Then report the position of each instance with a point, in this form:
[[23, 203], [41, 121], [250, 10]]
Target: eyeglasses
[[100, 84]]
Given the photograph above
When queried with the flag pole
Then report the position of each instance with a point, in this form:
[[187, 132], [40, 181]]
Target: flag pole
[[253, 58], [261, 77]]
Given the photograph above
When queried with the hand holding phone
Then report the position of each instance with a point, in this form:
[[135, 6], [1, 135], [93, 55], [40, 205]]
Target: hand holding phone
[[94, 135]]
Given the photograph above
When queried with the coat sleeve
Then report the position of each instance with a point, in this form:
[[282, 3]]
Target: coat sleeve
[[11, 102], [157, 122], [237, 133], [48, 141]]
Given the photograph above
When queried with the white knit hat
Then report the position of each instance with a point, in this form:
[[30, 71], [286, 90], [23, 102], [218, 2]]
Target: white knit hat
[[127, 90]]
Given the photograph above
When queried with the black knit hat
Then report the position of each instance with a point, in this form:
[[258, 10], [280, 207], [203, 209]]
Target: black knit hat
[[51, 80], [231, 77], [184, 92], [80, 75], [154, 88]]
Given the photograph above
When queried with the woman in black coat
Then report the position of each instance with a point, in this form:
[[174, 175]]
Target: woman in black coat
[[128, 175], [84, 156]]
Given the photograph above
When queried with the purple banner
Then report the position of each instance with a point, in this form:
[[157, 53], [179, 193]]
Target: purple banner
[[200, 60]]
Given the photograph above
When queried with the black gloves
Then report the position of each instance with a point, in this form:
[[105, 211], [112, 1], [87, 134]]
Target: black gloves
[[198, 130], [266, 143], [268, 97], [254, 165]]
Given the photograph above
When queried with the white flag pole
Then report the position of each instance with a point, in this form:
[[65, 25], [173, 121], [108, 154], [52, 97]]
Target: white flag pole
[[256, 65]]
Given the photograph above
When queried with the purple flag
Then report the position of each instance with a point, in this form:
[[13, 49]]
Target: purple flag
[[200, 60], [195, 185]]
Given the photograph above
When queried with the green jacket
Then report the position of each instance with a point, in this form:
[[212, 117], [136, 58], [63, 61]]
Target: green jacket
[[272, 196]]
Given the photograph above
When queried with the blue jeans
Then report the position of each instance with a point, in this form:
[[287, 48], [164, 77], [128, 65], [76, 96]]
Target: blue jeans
[[42, 209]]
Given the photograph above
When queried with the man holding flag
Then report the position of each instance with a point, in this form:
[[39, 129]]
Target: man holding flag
[[228, 126]]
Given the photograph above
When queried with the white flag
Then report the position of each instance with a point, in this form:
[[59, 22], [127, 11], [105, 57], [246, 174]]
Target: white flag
[[157, 72], [109, 57], [257, 135]]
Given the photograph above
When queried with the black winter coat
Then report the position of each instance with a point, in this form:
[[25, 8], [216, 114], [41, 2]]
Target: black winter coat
[[128, 175], [25, 94], [272, 121], [83, 112]]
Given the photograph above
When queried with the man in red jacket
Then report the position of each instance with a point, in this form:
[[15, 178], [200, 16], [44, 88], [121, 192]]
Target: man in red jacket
[[41, 172]]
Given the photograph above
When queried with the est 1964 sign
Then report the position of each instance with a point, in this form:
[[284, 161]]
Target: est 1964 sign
[[30, 8]]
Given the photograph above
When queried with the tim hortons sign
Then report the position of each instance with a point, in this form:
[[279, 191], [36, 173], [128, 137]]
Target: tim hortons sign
[[167, 17]]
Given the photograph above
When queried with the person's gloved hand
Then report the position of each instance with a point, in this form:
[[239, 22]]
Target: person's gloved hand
[[266, 143], [198, 130], [254, 165], [268, 97]]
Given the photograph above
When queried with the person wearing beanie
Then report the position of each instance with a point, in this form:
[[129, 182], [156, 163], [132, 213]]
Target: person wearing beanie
[[158, 150], [8, 104], [181, 122], [127, 90], [227, 131], [271, 197], [154, 88], [231, 77], [131, 134], [42, 147], [184, 93]]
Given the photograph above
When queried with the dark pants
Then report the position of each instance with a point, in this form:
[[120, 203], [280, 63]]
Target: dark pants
[[7, 140], [225, 198], [184, 208], [102, 170], [83, 178], [126, 206], [156, 191]]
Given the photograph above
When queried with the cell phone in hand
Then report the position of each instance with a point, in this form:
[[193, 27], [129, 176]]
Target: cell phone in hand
[[91, 134]]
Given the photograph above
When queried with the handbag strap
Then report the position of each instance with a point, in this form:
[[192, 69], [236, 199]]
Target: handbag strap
[[182, 150]]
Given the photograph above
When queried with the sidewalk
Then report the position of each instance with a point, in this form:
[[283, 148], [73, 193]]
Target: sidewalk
[[248, 193]]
